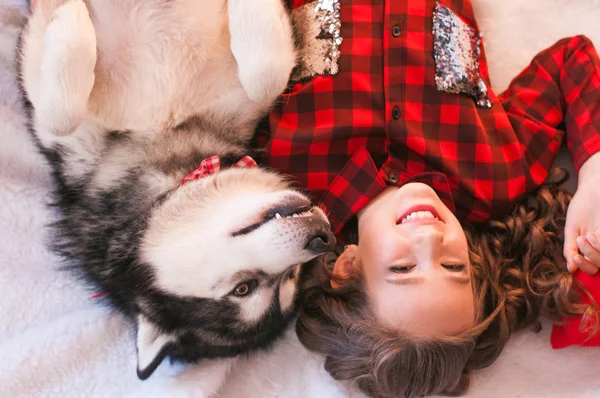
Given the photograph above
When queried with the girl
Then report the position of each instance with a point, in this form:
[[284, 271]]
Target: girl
[[437, 187]]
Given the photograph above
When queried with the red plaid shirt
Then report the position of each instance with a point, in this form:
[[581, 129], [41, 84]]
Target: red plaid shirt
[[382, 121]]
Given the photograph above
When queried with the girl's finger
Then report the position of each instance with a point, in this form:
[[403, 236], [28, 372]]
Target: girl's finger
[[585, 265], [589, 251], [594, 239], [570, 248]]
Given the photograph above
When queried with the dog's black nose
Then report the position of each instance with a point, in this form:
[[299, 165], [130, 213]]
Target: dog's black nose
[[322, 242]]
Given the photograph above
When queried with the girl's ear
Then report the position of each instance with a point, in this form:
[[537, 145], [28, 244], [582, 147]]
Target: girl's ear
[[346, 265]]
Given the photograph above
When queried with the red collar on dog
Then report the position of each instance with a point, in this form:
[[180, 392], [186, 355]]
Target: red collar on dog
[[212, 165]]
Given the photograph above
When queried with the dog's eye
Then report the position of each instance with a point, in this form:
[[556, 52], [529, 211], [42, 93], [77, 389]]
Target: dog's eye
[[292, 274], [245, 288], [242, 289]]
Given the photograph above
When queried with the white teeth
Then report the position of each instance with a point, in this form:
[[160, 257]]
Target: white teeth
[[418, 215], [296, 215]]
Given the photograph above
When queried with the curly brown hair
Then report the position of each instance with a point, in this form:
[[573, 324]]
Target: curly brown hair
[[519, 274]]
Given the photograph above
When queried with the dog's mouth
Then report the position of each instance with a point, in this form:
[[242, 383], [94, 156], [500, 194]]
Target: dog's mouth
[[285, 212], [280, 212], [277, 213]]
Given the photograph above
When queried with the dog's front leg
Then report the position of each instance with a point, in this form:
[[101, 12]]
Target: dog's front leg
[[201, 380], [207, 376], [66, 70], [262, 44]]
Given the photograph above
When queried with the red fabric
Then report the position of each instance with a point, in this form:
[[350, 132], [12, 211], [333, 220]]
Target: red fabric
[[212, 165], [568, 333], [337, 135]]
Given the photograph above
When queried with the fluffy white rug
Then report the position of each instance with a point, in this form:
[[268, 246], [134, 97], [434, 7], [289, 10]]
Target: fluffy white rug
[[54, 342]]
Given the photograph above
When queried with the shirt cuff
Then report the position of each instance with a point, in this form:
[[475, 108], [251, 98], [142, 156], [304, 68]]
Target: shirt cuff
[[582, 153]]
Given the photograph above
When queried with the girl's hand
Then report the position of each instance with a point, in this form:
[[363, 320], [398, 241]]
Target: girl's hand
[[582, 228], [589, 247]]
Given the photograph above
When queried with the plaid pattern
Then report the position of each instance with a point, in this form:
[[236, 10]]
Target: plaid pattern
[[381, 120], [212, 165]]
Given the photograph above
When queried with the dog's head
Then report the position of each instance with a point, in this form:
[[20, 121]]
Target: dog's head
[[224, 254]]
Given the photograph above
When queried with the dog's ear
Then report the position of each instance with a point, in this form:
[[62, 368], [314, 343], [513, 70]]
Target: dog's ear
[[152, 346]]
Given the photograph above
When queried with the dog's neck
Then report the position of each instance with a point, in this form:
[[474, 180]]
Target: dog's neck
[[213, 165]]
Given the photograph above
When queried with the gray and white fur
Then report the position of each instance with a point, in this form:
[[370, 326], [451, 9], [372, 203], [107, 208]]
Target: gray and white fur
[[126, 98]]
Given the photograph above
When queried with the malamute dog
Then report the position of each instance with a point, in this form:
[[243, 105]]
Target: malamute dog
[[129, 97]]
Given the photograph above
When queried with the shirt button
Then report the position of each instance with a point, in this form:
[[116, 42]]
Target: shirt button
[[393, 177], [396, 31], [396, 113]]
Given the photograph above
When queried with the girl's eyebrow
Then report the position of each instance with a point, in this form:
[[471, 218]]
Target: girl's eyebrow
[[409, 280], [415, 280], [461, 279]]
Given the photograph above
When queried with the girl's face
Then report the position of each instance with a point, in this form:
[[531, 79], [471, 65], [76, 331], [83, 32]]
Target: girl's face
[[414, 257]]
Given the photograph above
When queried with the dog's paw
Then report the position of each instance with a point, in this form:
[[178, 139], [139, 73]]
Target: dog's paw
[[264, 83], [70, 42], [46, 7], [67, 68], [263, 46]]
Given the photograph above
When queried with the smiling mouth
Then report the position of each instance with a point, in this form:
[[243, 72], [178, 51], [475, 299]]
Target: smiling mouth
[[421, 214]]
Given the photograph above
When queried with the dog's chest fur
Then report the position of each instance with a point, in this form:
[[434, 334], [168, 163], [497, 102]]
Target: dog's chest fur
[[160, 63]]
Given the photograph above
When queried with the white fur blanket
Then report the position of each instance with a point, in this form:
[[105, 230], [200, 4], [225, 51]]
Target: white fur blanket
[[55, 342]]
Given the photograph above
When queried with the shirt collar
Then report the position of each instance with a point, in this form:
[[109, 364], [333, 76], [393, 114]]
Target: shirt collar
[[360, 181]]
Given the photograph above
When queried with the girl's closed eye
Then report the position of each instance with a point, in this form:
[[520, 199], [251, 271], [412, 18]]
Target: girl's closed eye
[[402, 269], [454, 267]]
